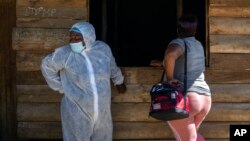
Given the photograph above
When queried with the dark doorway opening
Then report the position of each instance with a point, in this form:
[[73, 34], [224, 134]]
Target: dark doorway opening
[[139, 30]]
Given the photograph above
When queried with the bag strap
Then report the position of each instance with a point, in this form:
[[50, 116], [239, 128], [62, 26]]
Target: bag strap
[[185, 75]]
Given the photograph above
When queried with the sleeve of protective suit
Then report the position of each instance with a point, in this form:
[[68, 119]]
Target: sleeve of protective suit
[[116, 74], [50, 67]]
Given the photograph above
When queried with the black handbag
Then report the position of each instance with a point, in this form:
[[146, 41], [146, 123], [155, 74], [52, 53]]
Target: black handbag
[[169, 102]]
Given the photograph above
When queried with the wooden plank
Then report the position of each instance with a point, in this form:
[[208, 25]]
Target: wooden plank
[[230, 93], [47, 23], [212, 77], [229, 11], [227, 76], [229, 44], [53, 3], [77, 12], [47, 112], [230, 2], [135, 93], [38, 38], [228, 25], [125, 130], [30, 78], [26, 61], [219, 61]]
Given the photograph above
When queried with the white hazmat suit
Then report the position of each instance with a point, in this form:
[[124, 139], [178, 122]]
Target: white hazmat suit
[[84, 78]]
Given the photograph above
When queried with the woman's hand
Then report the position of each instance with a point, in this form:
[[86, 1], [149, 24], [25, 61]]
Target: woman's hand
[[156, 63], [174, 82]]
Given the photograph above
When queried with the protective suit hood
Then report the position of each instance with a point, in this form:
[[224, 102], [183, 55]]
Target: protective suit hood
[[88, 32]]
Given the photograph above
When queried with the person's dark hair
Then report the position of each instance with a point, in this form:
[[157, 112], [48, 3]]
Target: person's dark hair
[[187, 25]]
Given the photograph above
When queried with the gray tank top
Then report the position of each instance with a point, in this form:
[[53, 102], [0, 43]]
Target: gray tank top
[[195, 65]]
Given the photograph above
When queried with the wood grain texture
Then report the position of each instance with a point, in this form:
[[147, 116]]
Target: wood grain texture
[[39, 39], [228, 93], [229, 43], [53, 3], [125, 130], [47, 23], [230, 2], [136, 112], [229, 11], [229, 26], [230, 61]]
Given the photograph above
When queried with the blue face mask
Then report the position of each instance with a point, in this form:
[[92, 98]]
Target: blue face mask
[[77, 47]]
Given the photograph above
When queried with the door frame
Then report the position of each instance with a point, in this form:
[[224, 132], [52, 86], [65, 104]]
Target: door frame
[[8, 124]]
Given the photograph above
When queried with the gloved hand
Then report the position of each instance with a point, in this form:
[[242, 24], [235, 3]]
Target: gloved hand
[[121, 88]]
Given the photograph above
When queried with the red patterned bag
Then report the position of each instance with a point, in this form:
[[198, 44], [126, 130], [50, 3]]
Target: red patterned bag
[[168, 102]]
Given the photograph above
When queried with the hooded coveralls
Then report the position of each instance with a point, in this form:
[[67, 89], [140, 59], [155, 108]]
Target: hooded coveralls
[[84, 78]]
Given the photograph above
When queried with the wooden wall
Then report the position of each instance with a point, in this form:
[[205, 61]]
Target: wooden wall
[[42, 25], [7, 67]]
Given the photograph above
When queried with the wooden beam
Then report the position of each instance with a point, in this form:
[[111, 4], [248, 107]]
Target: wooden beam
[[30, 78], [227, 76], [220, 61], [56, 12], [229, 25], [47, 23], [39, 39], [229, 11], [125, 130], [228, 93], [47, 112], [230, 2], [53, 3], [229, 43], [212, 77]]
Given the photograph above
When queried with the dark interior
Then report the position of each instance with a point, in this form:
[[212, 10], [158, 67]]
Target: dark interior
[[140, 30]]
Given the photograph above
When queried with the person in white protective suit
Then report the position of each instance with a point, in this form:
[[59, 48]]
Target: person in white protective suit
[[82, 71]]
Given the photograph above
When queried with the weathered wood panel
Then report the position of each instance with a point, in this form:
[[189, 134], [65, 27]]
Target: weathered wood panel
[[30, 61], [228, 25], [229, 11], [51, 112], [135, 93], [124, 130], [227, 76], [229, 43], [26, 61], [39, 39], [46, 23], [230, 2], [50, 13], [49, 39], [53, 3], [56, 12], [29, 78], [212, 77], [231, 61]]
